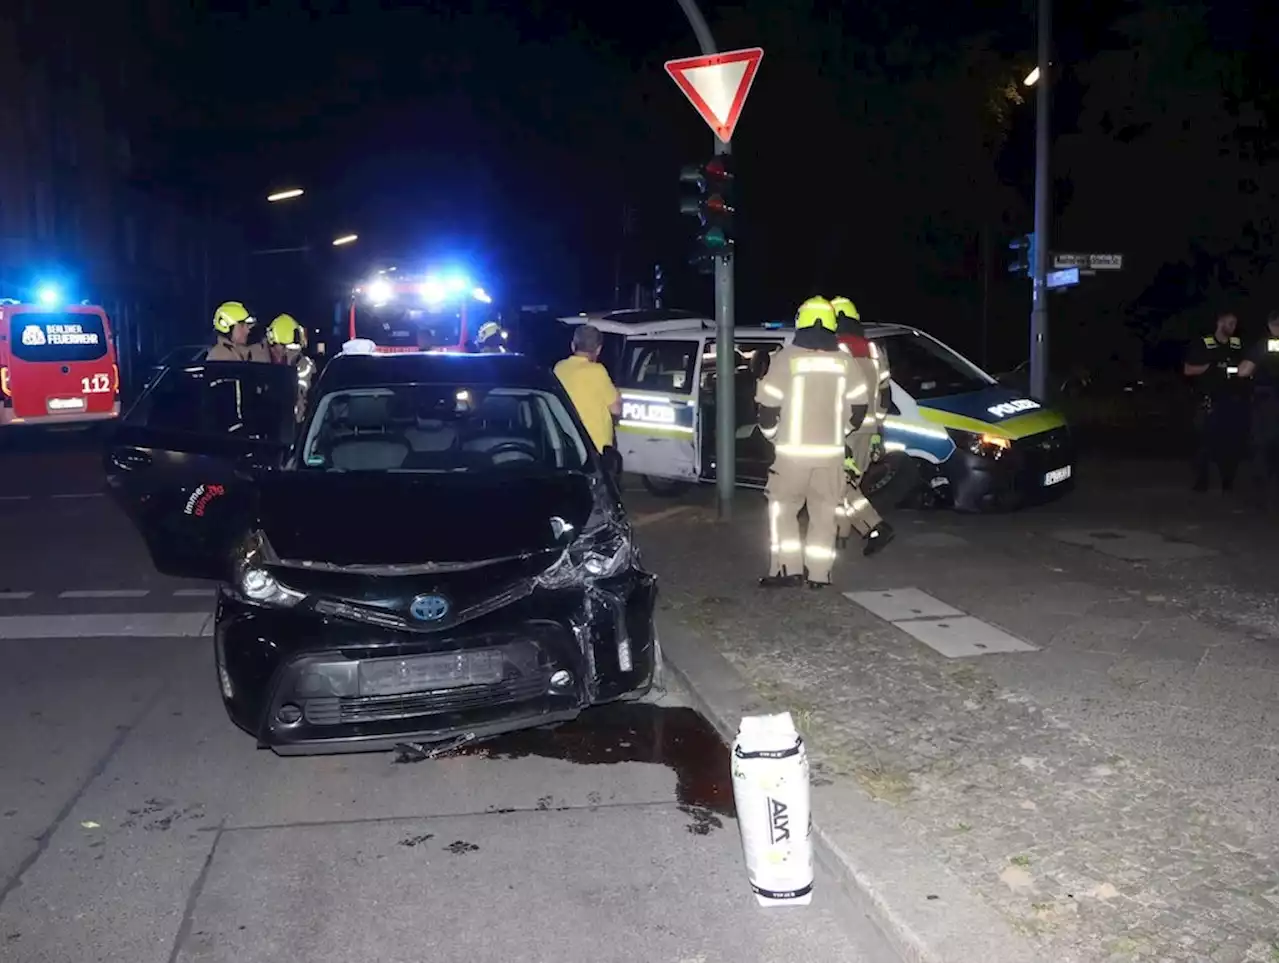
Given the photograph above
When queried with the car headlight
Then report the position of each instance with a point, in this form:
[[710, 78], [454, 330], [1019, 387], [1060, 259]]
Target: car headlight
[[603, 549], [259, 585], [255, 582], [980, 443], [601, 553]]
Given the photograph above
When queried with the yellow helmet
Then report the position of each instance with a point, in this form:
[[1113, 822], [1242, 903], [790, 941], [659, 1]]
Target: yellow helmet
[[816, 310], [228, 315], [843, 305], [490, 329], [286, 330]]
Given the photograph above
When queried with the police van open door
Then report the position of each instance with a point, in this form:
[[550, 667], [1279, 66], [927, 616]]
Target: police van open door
[[656, 375]]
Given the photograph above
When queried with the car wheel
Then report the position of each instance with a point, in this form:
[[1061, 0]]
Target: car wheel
[[663, 487], [892, 482]]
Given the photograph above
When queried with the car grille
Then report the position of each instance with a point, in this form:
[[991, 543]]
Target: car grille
[[372, 615], [1050, 448], [334, 710]]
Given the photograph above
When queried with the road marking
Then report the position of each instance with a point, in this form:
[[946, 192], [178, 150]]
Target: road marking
[[104, 594], [660, 515], [138, 625], [15, 498], [16, 595], [80, 495], [962, 637], [195, 593], [894, 605]]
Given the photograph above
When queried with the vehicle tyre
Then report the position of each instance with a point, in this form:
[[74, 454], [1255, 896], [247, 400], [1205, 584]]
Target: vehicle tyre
[[663, 487], [893, 482]]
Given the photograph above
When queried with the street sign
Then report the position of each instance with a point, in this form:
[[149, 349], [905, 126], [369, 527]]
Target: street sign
[[717, 85], [1089, 262], [1063, 279]]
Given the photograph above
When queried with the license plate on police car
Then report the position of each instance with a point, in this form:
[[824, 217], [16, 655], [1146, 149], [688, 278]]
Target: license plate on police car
[[1057, 476]]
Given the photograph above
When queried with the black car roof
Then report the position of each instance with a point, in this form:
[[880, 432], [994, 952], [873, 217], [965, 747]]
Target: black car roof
[[498, 370]]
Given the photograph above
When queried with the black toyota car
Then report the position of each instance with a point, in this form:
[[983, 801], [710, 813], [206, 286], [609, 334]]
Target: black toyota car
[[433, 554]]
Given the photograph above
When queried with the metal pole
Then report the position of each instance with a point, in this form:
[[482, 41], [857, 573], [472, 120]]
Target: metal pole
[[726, 419], [1039, 290], [986, 289]]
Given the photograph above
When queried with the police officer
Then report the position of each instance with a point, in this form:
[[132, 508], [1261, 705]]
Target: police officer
[[862, 447], [1262, 363], [288, 341], [232, 325], [805, 403], [1222, 413]]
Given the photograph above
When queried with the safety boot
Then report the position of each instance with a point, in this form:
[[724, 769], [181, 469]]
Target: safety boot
[[878, 538], [781, 580]]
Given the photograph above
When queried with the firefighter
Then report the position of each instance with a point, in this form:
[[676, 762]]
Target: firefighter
[[806, 401], [232, 325], [862, 447], [288, 341], [491, 339]]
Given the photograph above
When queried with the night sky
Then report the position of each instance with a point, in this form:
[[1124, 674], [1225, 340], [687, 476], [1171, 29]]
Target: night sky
[[880, 154]]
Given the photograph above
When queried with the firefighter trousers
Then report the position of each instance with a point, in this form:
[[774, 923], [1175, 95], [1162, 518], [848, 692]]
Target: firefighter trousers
[[794, 483], [855, 512]]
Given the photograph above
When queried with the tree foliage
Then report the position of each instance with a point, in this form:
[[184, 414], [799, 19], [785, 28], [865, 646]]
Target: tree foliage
[[1174, 163]]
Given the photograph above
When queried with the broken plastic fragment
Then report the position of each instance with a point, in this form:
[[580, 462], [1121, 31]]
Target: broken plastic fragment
[[422, 751]]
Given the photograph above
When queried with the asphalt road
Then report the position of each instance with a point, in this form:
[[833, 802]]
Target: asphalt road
[[138, 825]]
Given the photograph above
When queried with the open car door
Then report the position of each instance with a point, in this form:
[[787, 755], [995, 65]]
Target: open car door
[[182, 460]]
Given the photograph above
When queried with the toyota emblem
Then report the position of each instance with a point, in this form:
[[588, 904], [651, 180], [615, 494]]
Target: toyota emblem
[[429, 608]]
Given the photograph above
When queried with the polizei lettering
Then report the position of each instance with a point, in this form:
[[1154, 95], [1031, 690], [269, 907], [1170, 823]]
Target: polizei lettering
[[654, 414], [779, 821], [1007, 408]]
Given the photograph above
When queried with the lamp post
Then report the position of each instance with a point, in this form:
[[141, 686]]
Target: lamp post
[[1039, 78]]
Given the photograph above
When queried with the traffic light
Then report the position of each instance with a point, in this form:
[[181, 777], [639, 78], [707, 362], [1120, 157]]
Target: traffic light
[[658, 286], [1024, 249], [712, 205]]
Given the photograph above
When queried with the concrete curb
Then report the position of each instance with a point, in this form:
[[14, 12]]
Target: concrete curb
[[925, 913]]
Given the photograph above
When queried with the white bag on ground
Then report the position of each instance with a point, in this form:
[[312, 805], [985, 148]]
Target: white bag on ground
[[771, 792]]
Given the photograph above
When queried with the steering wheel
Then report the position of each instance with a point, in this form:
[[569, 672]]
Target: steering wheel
[[516, 447]]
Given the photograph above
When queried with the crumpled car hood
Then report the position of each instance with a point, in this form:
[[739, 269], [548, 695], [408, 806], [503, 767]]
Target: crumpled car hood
[[386, 518]]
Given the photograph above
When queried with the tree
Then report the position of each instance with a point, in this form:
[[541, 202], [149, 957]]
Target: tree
[[1174, 164]]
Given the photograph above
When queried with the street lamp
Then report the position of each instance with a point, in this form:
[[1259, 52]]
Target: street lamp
[[345, 239], [288, 195], [1031, 78], [1039, 291]]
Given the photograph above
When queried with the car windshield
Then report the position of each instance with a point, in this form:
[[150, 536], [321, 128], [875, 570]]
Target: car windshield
[[925, 368], [441, 428]]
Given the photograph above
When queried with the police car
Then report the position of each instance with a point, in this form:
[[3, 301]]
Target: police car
[[954, 435]]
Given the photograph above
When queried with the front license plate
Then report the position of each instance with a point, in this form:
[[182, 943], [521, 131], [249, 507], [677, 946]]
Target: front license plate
[[425, 673], [57, 405], [1057, 475]]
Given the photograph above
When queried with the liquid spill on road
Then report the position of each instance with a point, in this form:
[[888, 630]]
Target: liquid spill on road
[[676, 737]]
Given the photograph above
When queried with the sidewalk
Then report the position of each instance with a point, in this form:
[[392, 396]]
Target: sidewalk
[[1106, 794]]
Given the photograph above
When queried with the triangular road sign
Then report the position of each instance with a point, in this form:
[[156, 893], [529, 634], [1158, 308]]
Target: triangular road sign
[[717, 85]]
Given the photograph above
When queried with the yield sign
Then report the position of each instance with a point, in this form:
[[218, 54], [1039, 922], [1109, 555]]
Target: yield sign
[[717, 85]]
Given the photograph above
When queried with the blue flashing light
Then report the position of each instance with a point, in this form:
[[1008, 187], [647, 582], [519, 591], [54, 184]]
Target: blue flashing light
[[48, 295], [774, 325]]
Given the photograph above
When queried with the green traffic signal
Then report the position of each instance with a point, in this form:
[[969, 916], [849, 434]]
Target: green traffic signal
[[715, 239]]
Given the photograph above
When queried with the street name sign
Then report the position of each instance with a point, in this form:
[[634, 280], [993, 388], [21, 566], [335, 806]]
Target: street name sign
[[1089, 262], [717, 85], [1062, 279]]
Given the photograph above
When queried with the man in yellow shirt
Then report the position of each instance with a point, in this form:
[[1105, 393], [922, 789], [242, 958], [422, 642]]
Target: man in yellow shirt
[[591, 389]]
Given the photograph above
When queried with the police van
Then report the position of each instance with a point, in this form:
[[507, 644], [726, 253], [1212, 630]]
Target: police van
[[954, 436]]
